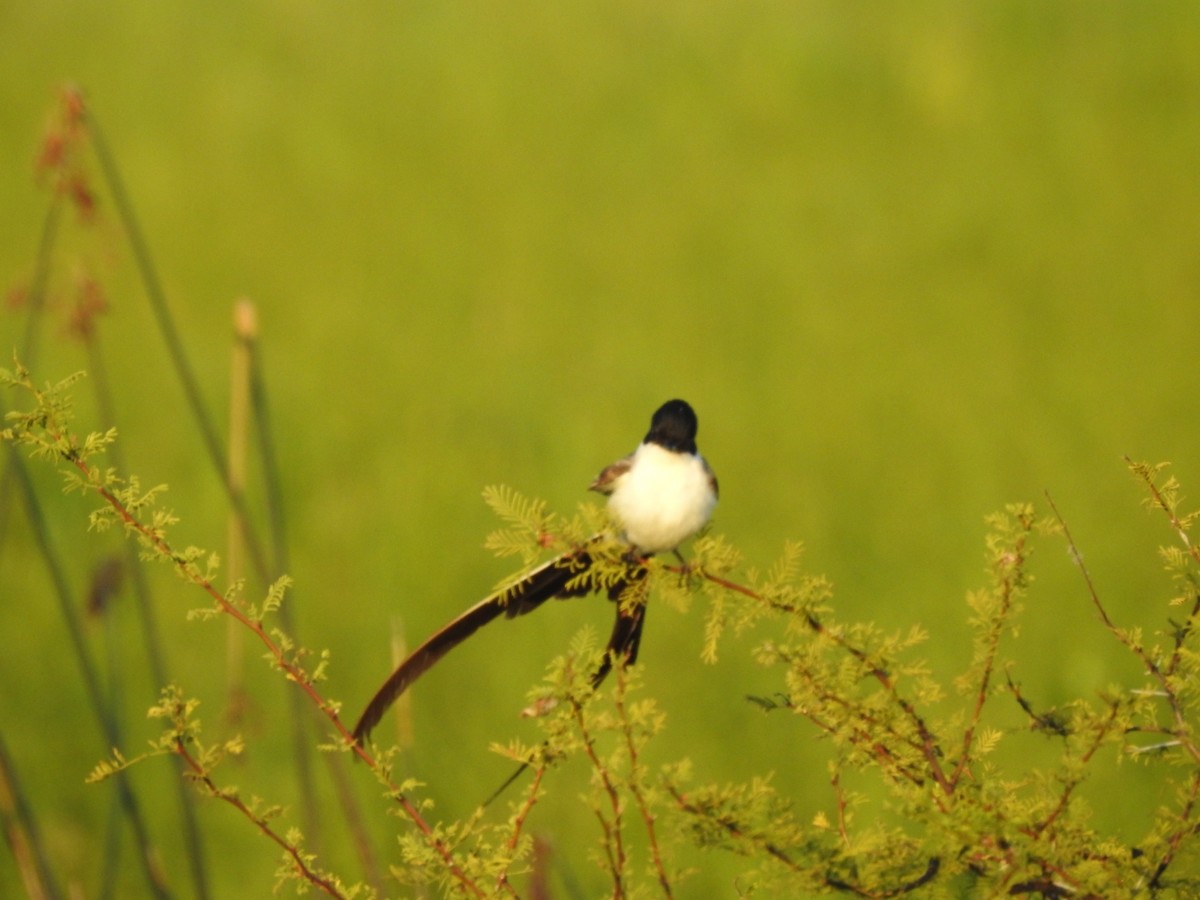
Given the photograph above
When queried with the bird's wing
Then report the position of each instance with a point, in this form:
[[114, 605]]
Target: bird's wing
[[712, 479], [528, 593], [606, 481]]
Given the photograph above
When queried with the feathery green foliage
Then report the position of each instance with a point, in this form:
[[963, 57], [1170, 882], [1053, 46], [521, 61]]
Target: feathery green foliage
[[950, 811]]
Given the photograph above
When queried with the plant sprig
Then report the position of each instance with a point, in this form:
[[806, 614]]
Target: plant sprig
[[45, 429]]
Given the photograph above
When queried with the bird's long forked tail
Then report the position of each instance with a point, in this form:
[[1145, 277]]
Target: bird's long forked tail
[[551, 579]]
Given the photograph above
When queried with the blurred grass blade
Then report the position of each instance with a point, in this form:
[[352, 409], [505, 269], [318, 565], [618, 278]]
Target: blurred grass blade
[[148, 853], [239, 411], [20, 830], [170, 334], [193, 842]]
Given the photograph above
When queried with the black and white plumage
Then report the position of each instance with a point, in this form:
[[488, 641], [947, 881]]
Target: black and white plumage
[[659, 496]]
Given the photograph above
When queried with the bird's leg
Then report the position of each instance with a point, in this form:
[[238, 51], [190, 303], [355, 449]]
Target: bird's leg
[[635, 558], [686, 569]]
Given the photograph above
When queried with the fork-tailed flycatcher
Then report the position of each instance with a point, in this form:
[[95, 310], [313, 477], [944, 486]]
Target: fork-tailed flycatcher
[[659, 496]]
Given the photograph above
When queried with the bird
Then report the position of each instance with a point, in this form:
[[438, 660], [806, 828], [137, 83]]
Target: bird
[[659, 496]]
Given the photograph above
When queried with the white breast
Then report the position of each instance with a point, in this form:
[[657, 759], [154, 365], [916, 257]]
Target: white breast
[[663, 499]]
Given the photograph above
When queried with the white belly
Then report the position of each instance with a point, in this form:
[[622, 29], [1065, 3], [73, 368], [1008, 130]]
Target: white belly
[[663, 499]]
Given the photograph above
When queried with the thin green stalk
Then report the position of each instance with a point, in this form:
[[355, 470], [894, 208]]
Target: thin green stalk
[[246, 332], [105, 584], [193, 840], [21, 831], [301, 713], [36, 298], [239, 404], [148, 853], [154, 541], [170, 334], [35, 303]]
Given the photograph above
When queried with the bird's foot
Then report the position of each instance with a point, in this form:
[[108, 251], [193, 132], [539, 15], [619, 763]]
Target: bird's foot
[[686, 569]]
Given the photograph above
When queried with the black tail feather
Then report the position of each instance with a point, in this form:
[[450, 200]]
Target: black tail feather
[[547, 581], [622, 647], [626, 635]]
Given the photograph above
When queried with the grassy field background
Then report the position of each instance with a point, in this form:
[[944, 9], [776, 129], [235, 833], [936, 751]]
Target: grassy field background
[[908, 263]]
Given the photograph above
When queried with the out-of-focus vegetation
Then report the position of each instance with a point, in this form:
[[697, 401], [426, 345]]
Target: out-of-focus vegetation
[[909, 265]]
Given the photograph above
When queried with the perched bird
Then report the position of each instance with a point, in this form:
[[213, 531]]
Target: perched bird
[[659, 496]]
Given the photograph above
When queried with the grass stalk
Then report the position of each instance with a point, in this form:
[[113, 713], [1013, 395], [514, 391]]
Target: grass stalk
[[300, 715], [21, 832], [35, 303], [148, 853], [170, 333], [239, 406], [193, 841]]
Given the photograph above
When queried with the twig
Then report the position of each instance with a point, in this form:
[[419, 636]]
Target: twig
[[734, 829], [1152, 668], [519, 820], [614, 845], [1008, 588], [927, 741], [635, 783], [1146, 474], [1176, 839], [66, 448], [147, 854], [1102, 732], [306, 871], [193, 840]]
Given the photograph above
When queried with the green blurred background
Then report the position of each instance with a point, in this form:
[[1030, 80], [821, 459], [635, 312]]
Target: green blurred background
[[909, 262]]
